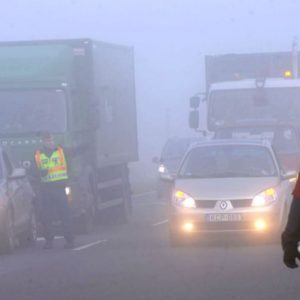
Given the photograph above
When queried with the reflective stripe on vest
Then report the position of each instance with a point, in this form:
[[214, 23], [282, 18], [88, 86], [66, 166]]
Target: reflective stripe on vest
[[55, 164]]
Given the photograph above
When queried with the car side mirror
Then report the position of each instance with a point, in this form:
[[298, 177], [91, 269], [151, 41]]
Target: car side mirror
[[194, 119], [289, 175], [17, 174]]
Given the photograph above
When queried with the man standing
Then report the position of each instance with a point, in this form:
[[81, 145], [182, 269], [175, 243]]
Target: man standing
[[291, 235], [52, 166]]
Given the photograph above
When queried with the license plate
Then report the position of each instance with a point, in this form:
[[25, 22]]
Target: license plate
[[223, 218]]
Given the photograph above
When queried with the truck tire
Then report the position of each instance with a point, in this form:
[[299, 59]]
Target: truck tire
[[87, 220], [124, 210], [7, 236], [30, 236]]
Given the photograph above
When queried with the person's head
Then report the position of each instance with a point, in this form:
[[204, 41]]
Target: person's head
[[48, 140]]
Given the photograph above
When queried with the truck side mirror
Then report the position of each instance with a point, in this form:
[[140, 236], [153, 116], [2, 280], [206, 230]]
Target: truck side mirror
[[194, 119], [195, 102]]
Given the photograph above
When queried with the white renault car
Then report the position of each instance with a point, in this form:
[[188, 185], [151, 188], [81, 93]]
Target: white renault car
[[229, 186]]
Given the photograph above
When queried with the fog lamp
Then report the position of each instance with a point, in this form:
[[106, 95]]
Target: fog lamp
[[260, 225], [188, 227]]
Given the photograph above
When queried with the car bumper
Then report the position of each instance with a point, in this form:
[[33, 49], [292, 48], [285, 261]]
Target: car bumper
[[242, 220]]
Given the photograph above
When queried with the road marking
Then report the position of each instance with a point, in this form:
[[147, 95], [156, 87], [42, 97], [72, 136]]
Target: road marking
[[160, 223], [151, 193], [56, 238], [89, 245]]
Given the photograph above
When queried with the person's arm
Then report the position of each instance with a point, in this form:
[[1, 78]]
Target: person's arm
[[291, 235]]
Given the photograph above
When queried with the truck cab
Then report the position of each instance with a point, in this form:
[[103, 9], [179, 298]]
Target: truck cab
[[82, 91]]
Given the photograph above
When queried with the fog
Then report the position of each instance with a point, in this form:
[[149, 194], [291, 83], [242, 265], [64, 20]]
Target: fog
[[170, 40]]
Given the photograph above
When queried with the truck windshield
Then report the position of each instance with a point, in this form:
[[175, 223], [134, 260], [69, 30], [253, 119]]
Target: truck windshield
[[24, 111], [227, 106]]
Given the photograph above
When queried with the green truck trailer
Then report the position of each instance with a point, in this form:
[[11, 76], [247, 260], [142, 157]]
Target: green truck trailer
[[83, 92]]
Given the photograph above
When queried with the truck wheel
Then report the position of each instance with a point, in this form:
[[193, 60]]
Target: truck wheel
[[122, 212], [30, 236], [7, 237], [87, 220]]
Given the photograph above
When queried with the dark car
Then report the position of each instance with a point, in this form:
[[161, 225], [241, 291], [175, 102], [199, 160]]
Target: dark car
[[17, 216], [169, 161]]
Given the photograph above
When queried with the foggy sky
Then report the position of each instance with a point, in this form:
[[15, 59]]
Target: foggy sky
[[170, 39]]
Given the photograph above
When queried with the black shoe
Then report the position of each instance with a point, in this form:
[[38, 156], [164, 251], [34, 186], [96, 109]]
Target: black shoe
[[48, 245], [69, 245]]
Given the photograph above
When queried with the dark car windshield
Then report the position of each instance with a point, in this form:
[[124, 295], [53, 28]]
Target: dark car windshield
[[24, 111], [175, 149], [228, 161]]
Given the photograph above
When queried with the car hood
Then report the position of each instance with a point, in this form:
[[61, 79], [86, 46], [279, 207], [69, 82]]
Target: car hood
[[225, 188]]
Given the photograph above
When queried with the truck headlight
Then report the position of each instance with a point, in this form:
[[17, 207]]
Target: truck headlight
[[264, 198], [184, 200]]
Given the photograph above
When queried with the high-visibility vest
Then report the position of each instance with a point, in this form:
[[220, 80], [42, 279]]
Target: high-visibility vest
[[55, 164]]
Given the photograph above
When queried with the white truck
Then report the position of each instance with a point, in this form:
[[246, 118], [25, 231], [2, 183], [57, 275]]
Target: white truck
[[248, 87]]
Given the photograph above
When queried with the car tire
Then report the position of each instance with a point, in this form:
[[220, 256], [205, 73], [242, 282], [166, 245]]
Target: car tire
[[7, 236]]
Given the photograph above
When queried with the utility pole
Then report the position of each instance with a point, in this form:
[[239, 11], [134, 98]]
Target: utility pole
[[295, 57]]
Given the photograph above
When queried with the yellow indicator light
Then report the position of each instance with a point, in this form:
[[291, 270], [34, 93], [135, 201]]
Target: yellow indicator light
[[179, 194], [188, 227], [270, 192], [260, 225], [288, 74]]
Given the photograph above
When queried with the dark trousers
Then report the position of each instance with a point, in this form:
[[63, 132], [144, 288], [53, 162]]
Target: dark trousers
[[54, 205]]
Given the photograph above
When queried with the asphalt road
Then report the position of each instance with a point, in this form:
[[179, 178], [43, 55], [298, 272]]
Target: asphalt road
[[135, 262]]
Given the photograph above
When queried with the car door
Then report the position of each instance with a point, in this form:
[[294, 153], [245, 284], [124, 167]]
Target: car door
[[15, 193]]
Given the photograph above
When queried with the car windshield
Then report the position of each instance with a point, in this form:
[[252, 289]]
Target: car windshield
[[227, 106], [27, 111], [228, 161], [175, 149]]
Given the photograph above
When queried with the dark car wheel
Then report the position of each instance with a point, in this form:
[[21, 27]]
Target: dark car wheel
[[7, 236]]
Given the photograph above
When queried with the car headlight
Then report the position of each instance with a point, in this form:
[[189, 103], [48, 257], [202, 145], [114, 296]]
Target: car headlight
[[161, 169], [68, 190], [184, 200], [264, 198]]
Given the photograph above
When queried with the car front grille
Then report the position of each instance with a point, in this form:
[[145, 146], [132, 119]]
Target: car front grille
[[236, 203], [206, 204], [239, 203]]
